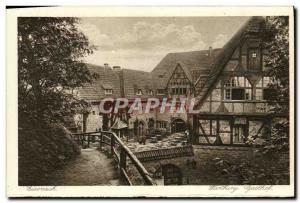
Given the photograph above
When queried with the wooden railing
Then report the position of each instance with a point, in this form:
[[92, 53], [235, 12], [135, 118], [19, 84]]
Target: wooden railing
[[118, 150]]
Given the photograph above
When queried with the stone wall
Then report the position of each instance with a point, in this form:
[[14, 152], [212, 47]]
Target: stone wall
[[215, 166]]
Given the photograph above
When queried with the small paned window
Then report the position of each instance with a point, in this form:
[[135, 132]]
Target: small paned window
[[108, 91], [237, 88], [139, 92]]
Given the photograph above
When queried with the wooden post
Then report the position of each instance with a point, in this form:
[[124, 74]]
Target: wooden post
[[82, 139], [88, 140], [247, 129], [101, 140], [231, 130], [122, 164], [218, 128], [210, 127], [195, 137], [112, 144]]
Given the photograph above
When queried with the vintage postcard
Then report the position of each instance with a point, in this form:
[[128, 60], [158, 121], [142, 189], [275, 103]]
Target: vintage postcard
[[150, 102]]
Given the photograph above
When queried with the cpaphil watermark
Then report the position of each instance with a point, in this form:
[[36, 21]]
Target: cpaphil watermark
[[171, 105]]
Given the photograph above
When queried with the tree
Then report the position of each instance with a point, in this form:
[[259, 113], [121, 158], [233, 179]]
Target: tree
[[50, 66], [278, 61], [276, 146]]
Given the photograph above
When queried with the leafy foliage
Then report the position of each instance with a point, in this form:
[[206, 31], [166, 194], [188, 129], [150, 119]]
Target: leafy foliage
[[275, 146], [251, 172], [278, 61], [50, 66]]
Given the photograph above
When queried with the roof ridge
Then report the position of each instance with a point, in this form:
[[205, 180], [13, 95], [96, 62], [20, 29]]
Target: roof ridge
[[222, 58], [128, 69]]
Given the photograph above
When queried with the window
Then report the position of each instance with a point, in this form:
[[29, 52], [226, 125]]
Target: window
[[179, 91], [238, 94], [161, 124], [254, 61], [139, 92], [160, 91], [259, 94], [263, 92], [227, 94], [237, 88], [108, 91], [150, 92], [248, 94]]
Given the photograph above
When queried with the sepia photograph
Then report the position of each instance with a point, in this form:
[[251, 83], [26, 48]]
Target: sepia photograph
[[118, 101]]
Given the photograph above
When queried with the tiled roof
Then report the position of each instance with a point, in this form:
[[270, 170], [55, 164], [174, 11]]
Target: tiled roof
[[254, 26], [130, 80], [137, 80], [194, 60], [108, 79], [186, 70]]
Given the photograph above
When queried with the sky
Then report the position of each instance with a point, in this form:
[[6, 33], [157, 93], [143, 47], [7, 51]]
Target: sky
[[141, 43]]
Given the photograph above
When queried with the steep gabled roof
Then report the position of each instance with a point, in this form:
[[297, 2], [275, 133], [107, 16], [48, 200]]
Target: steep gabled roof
[[253, 26], [135, 80], [108, 79], [186, 70], [194, 60]]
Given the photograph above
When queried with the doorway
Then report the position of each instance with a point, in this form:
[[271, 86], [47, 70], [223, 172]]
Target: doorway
[[178, 125], [172, 174], [239, 134]]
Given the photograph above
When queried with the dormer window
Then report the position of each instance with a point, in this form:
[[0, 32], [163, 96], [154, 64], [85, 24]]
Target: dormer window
[[108, 91], [139, 92], [254, 59], [150, 92]]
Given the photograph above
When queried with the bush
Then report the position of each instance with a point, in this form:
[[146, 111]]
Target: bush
[[42, 149]]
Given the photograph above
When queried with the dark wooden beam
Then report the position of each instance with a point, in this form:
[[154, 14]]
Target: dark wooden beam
[[231, 131], [203, 132]]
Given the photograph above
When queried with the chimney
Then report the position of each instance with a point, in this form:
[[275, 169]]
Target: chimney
[[106, 65], [210, 51], [116, 68]]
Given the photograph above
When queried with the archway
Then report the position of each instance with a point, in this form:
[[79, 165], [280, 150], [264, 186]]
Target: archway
[[178, 125], [172, 174]]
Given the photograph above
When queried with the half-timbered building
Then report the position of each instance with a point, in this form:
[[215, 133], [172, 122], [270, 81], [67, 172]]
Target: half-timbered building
[[230, 86], [232, 102], [176, 76]]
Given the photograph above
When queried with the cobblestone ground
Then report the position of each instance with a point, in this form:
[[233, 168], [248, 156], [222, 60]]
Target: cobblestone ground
[[90, 168], [173, 140]]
